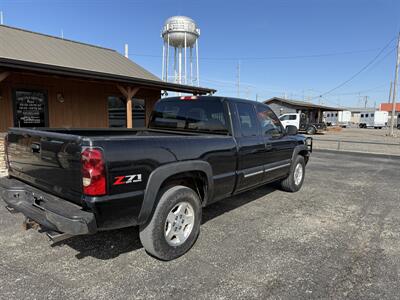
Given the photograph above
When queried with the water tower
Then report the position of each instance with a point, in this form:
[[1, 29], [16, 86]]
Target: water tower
[[180, 34]]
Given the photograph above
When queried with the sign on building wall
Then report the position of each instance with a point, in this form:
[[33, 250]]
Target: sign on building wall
[[30, 108]]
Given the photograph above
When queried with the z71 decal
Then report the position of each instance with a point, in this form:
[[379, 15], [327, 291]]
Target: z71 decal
[[127, 179]]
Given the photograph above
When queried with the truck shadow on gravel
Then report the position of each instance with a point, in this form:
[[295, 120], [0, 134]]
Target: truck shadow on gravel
[[110, 244]]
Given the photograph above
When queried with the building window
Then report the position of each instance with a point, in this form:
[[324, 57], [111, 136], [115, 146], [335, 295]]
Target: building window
[[30, 108], [138, 113], [117, 112]]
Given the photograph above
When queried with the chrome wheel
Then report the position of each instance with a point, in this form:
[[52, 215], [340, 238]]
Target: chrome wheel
[[179, 223], [298, 174]]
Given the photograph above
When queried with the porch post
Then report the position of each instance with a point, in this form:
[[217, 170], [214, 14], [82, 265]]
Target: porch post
[[128, 93]]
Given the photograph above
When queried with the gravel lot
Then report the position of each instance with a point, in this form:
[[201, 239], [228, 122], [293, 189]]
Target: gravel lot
[[339, 237]]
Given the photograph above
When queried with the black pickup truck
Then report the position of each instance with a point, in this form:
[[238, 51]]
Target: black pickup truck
[[195, 151]]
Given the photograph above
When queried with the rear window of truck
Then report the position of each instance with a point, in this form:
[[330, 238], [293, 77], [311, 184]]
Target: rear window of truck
[[190, 115]]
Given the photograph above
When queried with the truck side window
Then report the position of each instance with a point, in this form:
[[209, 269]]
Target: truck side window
[[292, 117], [247, 119], [270, 124]]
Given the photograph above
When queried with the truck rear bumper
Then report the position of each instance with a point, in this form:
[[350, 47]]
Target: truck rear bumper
[[51, 212]]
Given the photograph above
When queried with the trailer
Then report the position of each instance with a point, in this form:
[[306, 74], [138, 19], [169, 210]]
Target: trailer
[[338, 118], [374, 119], [398, 121]]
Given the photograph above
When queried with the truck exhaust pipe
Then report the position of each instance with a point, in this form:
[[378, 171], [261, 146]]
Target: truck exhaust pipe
[[56, 237]]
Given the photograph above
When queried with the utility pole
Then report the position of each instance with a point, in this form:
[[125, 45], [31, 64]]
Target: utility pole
[[365, 101], [390, 92], [394, 95], [1, 17], [238, 79]]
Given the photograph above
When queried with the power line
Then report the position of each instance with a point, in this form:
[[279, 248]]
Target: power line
[[360, 71], [271, 57], [362, 91]]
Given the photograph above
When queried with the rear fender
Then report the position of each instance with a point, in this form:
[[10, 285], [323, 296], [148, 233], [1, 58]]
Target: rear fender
[[159, 175]]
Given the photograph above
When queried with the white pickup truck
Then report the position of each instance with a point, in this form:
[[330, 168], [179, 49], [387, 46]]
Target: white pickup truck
[[302, 123]]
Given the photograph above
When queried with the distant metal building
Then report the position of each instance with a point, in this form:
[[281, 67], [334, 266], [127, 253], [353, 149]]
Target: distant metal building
[[314, 111]]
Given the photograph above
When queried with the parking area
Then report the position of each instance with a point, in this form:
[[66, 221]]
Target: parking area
[[372, 140], [338, 237]]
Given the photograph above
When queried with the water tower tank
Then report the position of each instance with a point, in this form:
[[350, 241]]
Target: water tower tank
[[180, 35], [176, 28]]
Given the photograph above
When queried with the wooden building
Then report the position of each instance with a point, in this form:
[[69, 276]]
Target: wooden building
[[47, 81]]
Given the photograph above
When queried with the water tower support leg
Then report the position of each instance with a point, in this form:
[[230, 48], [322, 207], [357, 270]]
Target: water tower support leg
[[197, 63], [175, 71], [180, 65], [163, 62], [191, 65], [185, 61], [167, 62]]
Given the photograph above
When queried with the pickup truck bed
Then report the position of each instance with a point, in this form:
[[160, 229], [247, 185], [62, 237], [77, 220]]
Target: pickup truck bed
[[80, 181]]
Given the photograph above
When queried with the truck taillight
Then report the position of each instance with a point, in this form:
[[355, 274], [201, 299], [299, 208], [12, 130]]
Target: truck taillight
[[93, 172], [188, 98]]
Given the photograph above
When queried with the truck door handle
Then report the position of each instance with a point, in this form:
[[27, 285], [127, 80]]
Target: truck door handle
[[35, 148], [254, 151]]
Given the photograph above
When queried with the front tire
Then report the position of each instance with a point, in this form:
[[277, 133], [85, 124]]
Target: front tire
[[311, 130], [295, 180], [175, 224]]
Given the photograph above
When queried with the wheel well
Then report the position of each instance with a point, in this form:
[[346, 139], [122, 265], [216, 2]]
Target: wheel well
[[311, 127], [305, 154], [196, 180]]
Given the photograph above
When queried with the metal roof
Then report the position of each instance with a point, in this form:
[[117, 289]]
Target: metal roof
[[26, 49], [301, 104]]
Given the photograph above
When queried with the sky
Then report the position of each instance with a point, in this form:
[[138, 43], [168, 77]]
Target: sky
[[299, 49]]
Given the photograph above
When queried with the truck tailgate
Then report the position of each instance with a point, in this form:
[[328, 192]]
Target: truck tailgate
[[47, 160]]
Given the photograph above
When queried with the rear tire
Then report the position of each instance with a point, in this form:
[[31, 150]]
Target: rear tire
[[311, 130], [295, 180], [175, 224]]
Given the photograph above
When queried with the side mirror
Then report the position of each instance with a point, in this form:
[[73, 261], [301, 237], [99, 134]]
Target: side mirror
[[291, 130]]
